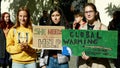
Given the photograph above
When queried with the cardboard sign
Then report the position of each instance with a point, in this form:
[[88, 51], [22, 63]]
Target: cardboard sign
[[47, 37], [95, 43]]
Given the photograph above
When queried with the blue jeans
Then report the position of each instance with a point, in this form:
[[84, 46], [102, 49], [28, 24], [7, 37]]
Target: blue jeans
[[53, 63], [19, 65]]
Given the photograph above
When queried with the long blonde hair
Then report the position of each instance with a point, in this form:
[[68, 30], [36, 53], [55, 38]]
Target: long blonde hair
[[29, 23]]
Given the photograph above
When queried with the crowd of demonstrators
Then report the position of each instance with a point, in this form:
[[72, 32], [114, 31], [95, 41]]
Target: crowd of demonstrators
[[44, 19], [19, 41], [92, 23], [115, 25], [53, 60], [5, 25]]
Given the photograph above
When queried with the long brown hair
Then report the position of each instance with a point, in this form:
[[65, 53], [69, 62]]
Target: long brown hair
[[3, 24], [29, 23]]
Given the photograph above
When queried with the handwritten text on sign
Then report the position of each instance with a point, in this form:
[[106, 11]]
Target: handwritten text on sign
[[95, 43], [47, 37]]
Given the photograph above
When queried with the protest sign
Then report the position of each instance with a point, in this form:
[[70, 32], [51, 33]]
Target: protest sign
[[95, 43], [47, 37]]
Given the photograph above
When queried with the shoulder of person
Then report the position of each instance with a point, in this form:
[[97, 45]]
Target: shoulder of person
[[103, 27], [12, 30]]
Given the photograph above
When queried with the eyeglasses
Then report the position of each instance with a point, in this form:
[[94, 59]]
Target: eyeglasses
[[89, 11]]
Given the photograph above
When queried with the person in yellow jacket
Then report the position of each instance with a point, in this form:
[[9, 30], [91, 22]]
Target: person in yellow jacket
[[19, 41]]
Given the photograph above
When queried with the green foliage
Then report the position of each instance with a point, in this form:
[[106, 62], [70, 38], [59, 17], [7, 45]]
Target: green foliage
[[35, 6], [111, 9]]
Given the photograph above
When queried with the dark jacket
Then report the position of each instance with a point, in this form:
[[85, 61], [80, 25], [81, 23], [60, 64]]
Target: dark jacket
[[2, 44]]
